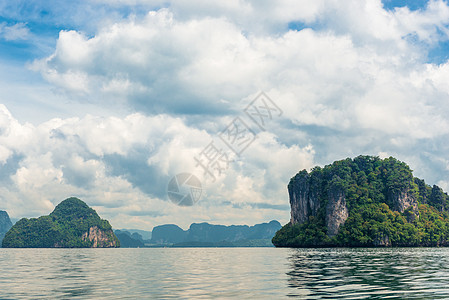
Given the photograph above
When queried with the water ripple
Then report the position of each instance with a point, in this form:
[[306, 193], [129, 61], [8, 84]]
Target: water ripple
[[243, 273]]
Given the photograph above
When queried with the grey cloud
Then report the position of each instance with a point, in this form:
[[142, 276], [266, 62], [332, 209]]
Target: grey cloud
[[78, 177], [135, 169], [178, 101], [10, 168]]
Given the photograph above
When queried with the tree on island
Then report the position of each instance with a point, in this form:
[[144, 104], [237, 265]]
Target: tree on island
[[365, 201], [72, 224]]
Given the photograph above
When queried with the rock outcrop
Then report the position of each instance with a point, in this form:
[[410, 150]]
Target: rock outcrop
[[303, 202], [298, 191], [305, 193], [382, 240], [336, 210], [365, 201], [405, 200], [100, 238]]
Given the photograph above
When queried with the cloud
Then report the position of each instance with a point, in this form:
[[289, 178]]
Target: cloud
[[159, 64], [18, 31], [123, 165], [354, 80]]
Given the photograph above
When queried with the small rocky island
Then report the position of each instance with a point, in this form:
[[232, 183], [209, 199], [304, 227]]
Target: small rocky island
[[364, 202], [72, 224]]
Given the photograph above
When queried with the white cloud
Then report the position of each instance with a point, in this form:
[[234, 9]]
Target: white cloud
[[163, 64], [355, 82], [64, 157], [18, 31], [429, 25]]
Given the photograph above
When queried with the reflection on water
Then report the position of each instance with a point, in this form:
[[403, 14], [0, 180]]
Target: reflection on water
[[412, 273], [205, 273]]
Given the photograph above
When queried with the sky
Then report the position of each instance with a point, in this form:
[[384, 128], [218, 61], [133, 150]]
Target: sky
[[109, 100]]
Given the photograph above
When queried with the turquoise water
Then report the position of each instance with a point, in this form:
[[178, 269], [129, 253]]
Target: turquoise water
[[220, 273]]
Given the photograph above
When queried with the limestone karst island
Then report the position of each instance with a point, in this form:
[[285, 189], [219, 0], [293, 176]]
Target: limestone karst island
[[364, 202], [72, 224]]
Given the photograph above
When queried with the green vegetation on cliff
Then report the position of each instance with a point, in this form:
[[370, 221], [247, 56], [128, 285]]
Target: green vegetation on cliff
[[364, 201], [72, 224]]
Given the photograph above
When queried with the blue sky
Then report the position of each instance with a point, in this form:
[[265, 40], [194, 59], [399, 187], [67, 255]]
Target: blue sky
[[412, 5], [108, 100]]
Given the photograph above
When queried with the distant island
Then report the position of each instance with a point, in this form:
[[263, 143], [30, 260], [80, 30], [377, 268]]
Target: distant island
[[202, 235], [364, 202], [72, 224], [5, 224]]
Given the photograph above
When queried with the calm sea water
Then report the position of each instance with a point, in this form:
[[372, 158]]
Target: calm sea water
[[240, 273]]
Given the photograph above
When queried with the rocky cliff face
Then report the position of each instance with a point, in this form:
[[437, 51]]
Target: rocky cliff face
[[303, 201], [100, 238], [298, 191], [336, 210], [405, 200], [366, 201], [382, 240]]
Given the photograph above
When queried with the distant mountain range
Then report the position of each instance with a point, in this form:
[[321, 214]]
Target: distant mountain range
[[129, 240], [144, 234], [201, 235]]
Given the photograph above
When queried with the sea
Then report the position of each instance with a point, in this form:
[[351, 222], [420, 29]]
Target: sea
[[225, 273]]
